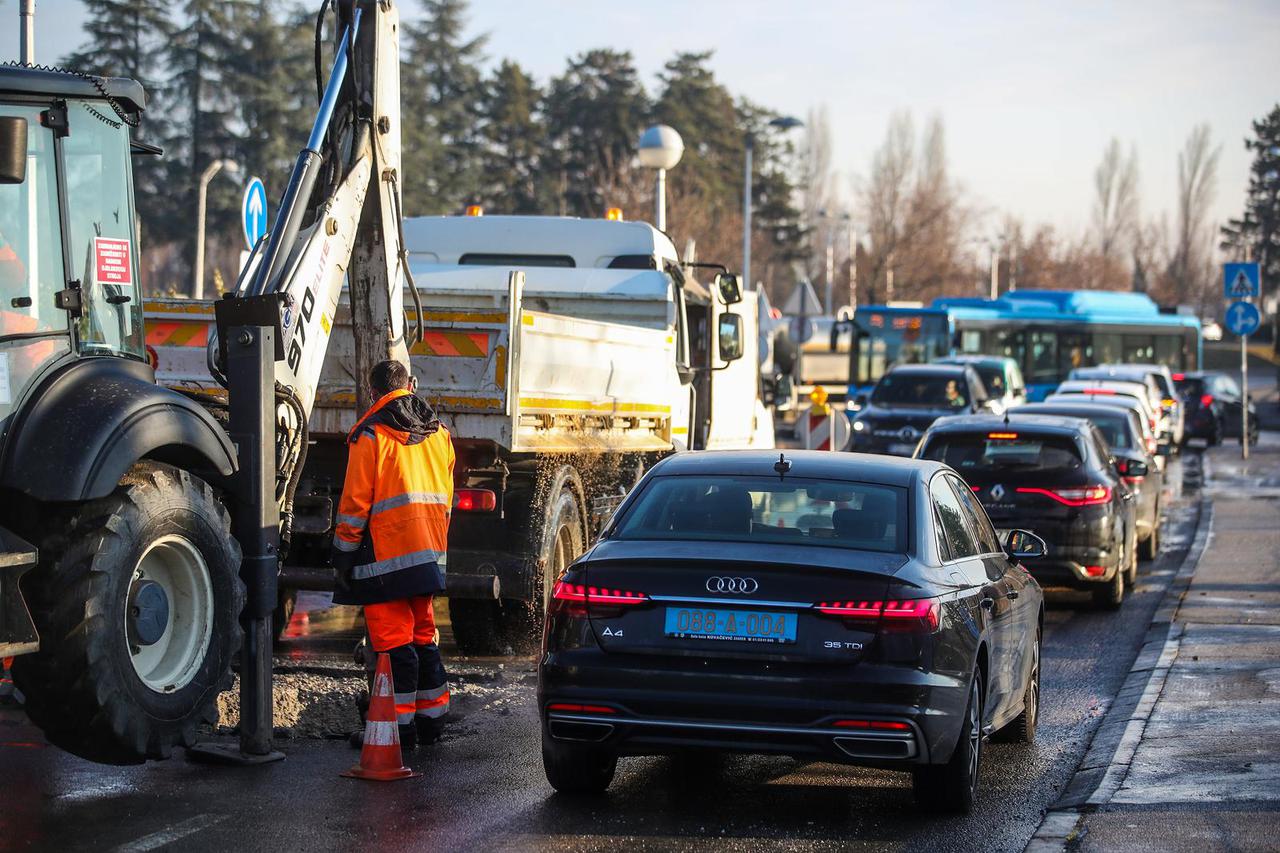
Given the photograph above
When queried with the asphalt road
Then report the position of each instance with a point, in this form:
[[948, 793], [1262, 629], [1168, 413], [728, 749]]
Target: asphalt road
[[483, 788]]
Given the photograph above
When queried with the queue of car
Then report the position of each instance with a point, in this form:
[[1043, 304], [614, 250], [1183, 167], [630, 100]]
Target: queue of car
[[879, 608]]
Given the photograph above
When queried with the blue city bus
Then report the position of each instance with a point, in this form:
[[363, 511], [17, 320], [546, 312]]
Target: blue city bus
[[1047, 332]]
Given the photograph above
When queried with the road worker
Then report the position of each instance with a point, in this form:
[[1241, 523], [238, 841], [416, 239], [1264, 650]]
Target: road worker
[[389, 546]]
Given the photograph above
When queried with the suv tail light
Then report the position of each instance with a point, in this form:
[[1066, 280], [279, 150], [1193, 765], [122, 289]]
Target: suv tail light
[[1088, 496], [573, 598], [1206, 400], [900, 614]]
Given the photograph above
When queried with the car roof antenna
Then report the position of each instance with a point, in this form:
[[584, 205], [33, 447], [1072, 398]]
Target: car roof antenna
[[782, 466]]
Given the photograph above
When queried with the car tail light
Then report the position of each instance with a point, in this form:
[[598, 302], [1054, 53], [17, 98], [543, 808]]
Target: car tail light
[[1104, 391], [475, 500], [1206, 400], [894, 613], [1088, 496], [575, 708], [1002, 436], [573, 598], [1122, 466], [873, 725], [1168, 402], [1178, 377], [1095, 571]]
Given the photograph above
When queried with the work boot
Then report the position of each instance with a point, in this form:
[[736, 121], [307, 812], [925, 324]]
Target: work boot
[[408, 738], [430, 729]]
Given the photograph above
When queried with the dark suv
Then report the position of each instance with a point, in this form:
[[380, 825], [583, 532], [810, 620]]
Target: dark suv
[[1213, 402], [1055, 477], [908, 399]]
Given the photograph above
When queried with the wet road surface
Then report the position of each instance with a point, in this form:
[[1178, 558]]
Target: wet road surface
[[483, 788]]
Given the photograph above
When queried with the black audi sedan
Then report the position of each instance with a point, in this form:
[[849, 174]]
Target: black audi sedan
[[839, 607], [910, 397], [1054, 476], [1214, 406]]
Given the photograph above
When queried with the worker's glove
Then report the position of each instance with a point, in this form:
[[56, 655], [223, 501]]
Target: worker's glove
[[344, 563]]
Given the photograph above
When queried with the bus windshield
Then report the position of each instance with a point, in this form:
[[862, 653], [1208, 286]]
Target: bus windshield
[[886, 337]]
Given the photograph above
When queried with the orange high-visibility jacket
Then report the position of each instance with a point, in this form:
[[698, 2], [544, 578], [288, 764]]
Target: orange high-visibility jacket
[[393, 519]]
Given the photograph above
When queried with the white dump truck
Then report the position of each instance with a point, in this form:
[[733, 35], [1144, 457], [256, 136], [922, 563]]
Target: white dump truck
[[564, 355]]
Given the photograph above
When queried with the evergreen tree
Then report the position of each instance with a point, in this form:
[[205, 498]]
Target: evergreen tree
[[440, 90], [128, 38], [702, 112], [275, 80], [514, 142], [773, 190], [1258, 230], [202, 58], [595, 113]]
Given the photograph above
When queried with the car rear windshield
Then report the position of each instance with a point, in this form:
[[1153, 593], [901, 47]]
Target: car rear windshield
[[864, 516], [1004, 450], [1191, 387], [1112, 422], [935, 390]]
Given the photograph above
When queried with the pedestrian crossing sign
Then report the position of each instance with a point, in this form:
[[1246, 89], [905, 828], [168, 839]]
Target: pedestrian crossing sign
[[1241, 281]]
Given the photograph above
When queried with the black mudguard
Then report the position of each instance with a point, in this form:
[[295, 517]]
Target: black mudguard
[[87, 424]]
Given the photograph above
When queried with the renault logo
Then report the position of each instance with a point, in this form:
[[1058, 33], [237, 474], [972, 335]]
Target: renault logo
[[997, 492], [908, 433], [746, 586]]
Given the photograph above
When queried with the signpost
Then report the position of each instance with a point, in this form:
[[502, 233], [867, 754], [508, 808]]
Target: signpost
[[1242, 282], [253, 212]]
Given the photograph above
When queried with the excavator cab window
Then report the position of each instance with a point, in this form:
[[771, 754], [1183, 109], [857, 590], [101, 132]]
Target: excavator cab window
[[104, 247], [33, 329]]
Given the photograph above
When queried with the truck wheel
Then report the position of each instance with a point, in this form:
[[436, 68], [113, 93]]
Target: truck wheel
[[137, 599]]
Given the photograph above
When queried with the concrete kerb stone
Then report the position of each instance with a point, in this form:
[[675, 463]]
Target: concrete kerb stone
[[1102, 770]]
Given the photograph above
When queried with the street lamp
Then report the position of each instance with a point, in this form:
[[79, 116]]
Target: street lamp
[[847, 219], [782, 123], [233, 168], [660, 148]]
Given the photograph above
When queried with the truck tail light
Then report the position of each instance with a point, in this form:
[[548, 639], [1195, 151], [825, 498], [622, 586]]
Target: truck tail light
[[1088, 496], [475, 500]]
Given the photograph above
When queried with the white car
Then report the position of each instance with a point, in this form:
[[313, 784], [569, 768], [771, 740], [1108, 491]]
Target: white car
[[1120, 388], [1160, 388]]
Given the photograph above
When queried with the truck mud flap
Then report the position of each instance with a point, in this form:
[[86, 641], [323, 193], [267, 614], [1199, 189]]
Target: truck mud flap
[[17, 632]]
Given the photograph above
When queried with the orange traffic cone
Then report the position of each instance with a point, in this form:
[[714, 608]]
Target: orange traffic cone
[[380, 758]]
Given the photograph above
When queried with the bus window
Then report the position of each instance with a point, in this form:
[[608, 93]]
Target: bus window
[[1106, 348], [1074, 350], [1042, 356], [1169, 351], [1139, 349], [971, 341]]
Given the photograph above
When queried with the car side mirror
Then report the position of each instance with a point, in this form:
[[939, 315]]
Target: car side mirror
[[1024, 545], [1164, 450], [729, 287], [1132, 468], [859, 401], [729, 335], [13, 149]]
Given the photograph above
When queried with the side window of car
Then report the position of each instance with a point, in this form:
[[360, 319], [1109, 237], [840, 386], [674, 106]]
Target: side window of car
[[959, 541], [983, 533]]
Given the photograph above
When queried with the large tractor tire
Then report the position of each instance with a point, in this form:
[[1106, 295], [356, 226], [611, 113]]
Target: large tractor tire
[[137, 599], [514, 626]]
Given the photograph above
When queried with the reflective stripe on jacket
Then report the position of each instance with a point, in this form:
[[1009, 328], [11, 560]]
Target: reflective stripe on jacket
[[393, 519]]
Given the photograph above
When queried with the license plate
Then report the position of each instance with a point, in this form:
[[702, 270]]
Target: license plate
[[738, 626], [902, 449]]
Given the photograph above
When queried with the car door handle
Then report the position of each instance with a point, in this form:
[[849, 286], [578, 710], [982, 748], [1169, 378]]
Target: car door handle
[[988, 603]]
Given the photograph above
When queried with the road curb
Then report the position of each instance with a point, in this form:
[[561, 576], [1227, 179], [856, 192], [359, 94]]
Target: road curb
[[1106, 763]]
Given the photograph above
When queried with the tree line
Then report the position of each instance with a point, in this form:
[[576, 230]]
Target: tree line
[[236, 80]]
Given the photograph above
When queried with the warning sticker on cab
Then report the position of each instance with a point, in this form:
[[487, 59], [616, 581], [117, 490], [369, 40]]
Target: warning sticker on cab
[[112, 262]]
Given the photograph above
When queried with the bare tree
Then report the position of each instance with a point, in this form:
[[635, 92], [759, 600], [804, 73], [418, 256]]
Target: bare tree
[[886, 200], [1190, 266], [1115, 207]]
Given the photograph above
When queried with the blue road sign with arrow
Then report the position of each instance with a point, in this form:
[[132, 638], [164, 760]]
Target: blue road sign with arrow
[[1241, 281], [253, 212], [1243, 318]]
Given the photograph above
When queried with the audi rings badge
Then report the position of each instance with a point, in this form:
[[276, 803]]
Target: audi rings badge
[[745, 586]]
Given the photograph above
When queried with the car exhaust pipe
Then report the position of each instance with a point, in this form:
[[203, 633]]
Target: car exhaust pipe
[[579, 730], [877, 747]]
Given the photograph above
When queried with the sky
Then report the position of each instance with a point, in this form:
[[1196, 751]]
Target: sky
[[1030, 93]]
